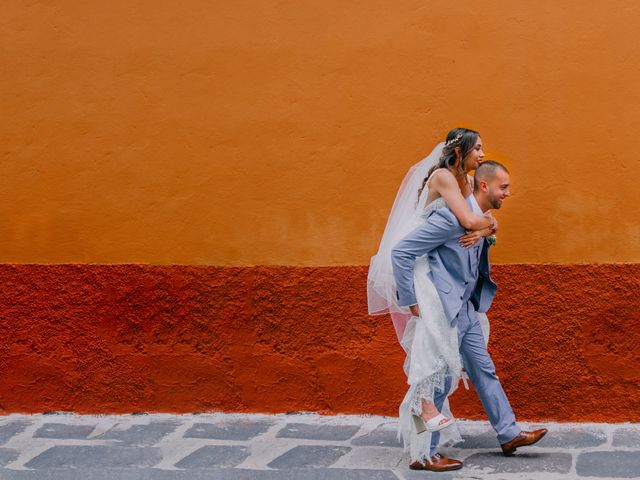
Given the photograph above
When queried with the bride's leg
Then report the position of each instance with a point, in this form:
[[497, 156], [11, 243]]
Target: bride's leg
[[431, 415], [429, 410], [439, 399]]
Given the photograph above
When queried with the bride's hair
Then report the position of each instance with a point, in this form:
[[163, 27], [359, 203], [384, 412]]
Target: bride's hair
[[463, 138]]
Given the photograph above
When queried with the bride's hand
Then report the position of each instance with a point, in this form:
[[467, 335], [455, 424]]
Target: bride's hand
[[470, 238], [415, 310], [494, 222]]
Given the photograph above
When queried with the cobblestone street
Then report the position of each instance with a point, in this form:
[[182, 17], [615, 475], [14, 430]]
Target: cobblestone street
[[294, 446]]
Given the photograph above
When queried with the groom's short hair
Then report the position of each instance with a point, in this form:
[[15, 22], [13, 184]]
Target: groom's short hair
[[486, 171]]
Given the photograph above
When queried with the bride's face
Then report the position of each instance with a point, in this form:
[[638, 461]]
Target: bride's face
[[474, 157]]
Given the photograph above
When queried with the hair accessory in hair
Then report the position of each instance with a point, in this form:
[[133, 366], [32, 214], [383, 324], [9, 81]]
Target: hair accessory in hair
[[453, 141]]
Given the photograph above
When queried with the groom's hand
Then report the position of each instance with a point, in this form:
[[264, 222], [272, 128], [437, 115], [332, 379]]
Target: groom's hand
[[415, 310]]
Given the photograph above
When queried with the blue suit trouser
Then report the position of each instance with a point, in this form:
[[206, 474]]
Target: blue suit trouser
[[482, 373]]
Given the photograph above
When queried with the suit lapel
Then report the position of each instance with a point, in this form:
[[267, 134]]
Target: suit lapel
[[470, 252], [474, 257]]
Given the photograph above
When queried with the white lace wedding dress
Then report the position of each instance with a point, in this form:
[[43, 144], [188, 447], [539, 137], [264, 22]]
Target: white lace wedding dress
[[433, 356]]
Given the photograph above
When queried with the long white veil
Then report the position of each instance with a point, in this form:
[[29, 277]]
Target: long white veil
[[381, 288]]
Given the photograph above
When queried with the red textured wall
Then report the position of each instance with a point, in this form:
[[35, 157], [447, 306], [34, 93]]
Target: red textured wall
[[125, 338]]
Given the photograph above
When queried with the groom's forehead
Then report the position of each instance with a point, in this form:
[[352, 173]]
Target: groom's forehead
[[502, 177]]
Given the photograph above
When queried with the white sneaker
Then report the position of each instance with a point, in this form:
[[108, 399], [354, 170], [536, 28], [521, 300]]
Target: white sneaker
[[433, 425], [438, 423]]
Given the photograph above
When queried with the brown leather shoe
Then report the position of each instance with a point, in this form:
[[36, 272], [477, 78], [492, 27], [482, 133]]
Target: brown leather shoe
[[522, 440], [438, 463]]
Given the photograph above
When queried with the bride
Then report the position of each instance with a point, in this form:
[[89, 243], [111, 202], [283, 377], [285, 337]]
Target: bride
[[433, 361]]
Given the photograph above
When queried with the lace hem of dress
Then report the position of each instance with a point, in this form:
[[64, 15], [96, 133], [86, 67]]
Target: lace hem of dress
[[427, 388]]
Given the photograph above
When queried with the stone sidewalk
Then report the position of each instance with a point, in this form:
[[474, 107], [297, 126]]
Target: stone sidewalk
[[291, 447]]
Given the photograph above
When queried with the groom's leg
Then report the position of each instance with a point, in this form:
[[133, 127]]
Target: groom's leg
[[482, 373], [438, 400], [462, 323]]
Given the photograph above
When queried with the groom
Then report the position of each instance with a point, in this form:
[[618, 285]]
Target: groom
[[461, 277]]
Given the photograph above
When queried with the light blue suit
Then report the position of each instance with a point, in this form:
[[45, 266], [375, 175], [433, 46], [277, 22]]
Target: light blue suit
[[461, 277]]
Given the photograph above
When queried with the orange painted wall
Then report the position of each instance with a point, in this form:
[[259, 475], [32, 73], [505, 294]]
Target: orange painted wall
[[257, 132], [127, 338]]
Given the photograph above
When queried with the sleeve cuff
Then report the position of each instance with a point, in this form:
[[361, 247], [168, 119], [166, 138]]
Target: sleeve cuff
[[406, 301]]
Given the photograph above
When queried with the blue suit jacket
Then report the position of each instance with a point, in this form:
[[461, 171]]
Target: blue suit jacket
[[452, 267]]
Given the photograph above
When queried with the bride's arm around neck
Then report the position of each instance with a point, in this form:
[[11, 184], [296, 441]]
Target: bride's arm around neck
[[445, 184]]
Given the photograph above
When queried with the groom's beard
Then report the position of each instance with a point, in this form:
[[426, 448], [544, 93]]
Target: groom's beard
[[494, 201]]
